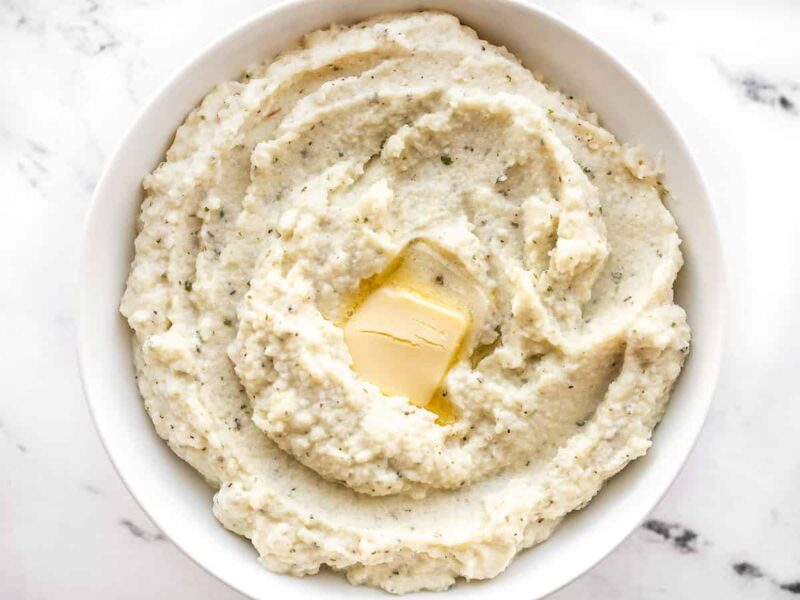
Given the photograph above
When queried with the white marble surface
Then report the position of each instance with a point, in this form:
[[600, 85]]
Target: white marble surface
[[73, 75]]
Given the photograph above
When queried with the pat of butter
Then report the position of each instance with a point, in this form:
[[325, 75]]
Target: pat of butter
[[404, 343]]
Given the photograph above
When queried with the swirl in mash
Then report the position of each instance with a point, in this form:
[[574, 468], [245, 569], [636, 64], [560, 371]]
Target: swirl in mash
[[284, 192]]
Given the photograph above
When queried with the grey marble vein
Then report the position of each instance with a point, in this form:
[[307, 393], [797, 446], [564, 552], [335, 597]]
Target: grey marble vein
[[685, 541], [86, 29], [90, 489], [17, 444], [32, 157], [748, 570], [783, 94], [682, 538], [140, 533], [17, 16]]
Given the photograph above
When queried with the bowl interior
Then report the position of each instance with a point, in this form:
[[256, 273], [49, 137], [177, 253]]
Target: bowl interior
[[174, 495]]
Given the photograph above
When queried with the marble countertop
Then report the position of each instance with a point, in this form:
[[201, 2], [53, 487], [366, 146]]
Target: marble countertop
[[73, 75]]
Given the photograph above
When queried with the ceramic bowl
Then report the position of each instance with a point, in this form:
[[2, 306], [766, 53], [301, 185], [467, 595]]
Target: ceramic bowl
[[175, 496]]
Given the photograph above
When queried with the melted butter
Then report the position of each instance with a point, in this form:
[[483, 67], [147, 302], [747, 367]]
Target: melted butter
[[441, 406], [428, 273], [421, 269]]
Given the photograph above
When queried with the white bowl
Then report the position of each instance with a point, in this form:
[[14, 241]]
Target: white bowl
[[174, 495]]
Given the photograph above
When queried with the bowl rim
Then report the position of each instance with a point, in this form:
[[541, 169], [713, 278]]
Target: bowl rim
[[253, 21]]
